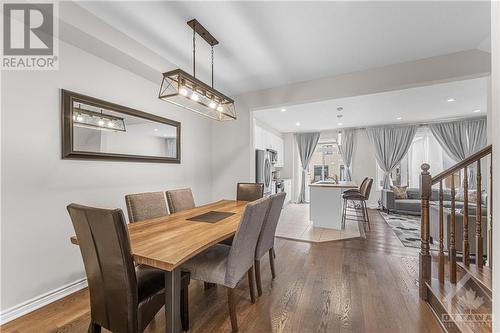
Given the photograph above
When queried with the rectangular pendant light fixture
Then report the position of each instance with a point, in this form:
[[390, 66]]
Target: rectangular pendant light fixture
[[185, 90], [90, 119]]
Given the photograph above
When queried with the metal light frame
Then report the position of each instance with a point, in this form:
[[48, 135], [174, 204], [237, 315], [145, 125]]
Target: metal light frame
[[185, 90], [92, 114]]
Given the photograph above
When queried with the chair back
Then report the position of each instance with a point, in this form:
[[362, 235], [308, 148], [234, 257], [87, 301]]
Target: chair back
[[367, 188], [242, 253], [179, 200], [266, 237], [105, 247], [249, 191], [145, 206], [363, 183]]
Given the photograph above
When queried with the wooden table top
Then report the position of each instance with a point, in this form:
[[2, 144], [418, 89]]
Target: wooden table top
[[167, 242], [335, 185]]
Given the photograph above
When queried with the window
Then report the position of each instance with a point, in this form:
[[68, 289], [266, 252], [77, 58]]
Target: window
[[326, 163], [424, 149]]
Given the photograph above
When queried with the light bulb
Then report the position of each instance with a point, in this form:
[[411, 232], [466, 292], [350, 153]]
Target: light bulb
[[219, 108], [183, 91], [111, 124], [212, 105], [100, 122], [79, 118], [195, 96]]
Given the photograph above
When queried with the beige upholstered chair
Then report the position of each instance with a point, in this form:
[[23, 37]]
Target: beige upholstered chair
[[226, 265], [249, 191], [145, 206], [265, 244], [179, 200]]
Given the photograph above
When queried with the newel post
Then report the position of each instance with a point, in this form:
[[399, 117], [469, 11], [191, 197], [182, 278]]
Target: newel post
[[425, 257]]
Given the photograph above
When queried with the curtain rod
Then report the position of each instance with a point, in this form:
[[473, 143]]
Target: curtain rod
[[419, 124]]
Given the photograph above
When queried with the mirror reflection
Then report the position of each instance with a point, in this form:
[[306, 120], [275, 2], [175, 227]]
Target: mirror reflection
[[105, 131]]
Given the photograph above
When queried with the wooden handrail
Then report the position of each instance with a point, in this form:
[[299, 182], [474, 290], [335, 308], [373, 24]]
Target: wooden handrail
[[462, 164]]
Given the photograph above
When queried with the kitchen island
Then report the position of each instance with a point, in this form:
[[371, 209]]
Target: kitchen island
[[326, 203]]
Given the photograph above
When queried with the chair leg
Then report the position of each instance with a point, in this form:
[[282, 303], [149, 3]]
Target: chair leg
[[232, 309], [185, 308], [271, 262], [251, 276], [257, 277], [343, 214], [367, 216], [94, 328]]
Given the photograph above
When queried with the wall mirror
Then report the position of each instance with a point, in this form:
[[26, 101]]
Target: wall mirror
[[96, 129]]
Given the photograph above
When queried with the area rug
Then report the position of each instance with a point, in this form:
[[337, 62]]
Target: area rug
[[406, 228]]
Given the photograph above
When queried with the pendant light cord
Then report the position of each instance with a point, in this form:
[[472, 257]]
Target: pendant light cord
[[212, 66], [194, 49]]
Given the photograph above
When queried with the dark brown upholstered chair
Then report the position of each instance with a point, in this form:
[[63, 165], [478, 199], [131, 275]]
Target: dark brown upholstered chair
[[265, 244], [362, 197], [227, 265], [179, 200], [357, 190], [145, 206], [123, 298], [249, 191]]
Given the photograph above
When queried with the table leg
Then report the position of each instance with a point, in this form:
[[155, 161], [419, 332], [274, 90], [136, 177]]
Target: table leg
[[173, 300]]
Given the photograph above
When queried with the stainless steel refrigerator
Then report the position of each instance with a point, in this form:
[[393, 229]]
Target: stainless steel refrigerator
[[263, 169]]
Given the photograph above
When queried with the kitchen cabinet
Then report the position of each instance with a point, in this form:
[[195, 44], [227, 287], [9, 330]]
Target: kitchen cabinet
[[264, 139]]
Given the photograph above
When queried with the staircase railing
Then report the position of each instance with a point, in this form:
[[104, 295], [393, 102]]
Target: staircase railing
[[426, 184]]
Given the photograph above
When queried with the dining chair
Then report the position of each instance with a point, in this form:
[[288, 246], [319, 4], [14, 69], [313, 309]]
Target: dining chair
[[265, 243], [226, 265], [361, 197], [145, 206], [357, 190], [123, 297], [179, 200], [249, 191]]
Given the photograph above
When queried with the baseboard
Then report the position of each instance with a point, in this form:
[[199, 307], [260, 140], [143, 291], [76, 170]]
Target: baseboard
[[42, 300]]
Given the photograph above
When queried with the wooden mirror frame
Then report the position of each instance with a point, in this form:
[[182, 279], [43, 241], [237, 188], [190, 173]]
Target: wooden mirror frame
[[67, 99]]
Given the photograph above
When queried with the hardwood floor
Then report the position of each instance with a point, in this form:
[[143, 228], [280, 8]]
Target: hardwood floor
[[355, 285]]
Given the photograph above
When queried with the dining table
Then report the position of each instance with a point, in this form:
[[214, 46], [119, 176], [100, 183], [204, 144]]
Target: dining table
[[169, 241]]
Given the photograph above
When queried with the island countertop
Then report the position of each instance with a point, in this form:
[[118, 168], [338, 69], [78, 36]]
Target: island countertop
[[334, 185]]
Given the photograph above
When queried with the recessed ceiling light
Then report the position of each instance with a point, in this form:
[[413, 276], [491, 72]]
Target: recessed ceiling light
[[476, 111], [297, 124], [450, 100], [399, 118], [339, 124], [283, 110], [156, 130]]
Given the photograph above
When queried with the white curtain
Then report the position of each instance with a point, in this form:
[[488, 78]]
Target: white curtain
[[391, 145], [306, 143], [460, 139], [346, 149]]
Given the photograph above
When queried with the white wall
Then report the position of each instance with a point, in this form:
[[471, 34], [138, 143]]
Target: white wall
[[37, 184], [364, 165], [495, 103]]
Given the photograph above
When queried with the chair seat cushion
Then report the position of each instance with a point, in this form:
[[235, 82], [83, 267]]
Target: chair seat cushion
[[210, 265], [149, 281], [353, 196]]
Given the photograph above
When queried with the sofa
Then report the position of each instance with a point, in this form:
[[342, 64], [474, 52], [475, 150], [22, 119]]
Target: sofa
[[411, 205], [459, 218]]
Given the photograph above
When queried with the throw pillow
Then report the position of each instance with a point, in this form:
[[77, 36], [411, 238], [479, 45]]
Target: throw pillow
[[472, 196], [399, 192]]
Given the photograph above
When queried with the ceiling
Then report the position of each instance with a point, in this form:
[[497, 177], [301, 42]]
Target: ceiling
[[422, 104], [268, 44]]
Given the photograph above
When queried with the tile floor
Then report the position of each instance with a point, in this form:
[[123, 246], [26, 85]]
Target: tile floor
[[295, 224]]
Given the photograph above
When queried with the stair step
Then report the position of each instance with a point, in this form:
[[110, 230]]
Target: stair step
[[481, 275], [461, 308]]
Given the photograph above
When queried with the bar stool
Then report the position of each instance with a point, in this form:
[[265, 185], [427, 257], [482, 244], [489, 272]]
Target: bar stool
[[362, 195]]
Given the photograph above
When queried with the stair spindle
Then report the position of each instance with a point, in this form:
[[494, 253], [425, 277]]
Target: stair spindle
[[479, 219], [465, 243], [441, 232], [425, 257], [452, 251]]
